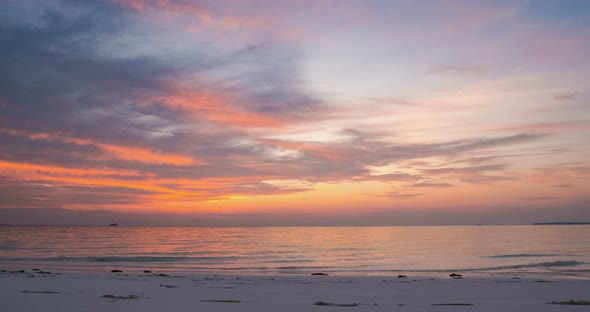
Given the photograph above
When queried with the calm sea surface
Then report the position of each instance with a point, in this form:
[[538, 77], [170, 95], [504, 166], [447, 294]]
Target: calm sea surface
[[424, 250]]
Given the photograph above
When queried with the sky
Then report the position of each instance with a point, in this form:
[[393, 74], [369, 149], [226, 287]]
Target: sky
[[295, 112]]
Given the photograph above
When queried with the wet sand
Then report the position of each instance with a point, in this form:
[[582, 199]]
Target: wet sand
[[138, 291]]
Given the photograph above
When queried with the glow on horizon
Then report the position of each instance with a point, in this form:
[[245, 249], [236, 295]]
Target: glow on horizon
[[296, 107]]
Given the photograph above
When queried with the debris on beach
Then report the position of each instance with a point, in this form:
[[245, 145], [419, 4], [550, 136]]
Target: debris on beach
[[323, 303], [39, 292], [120, 297], [571, 302], [456, 276]]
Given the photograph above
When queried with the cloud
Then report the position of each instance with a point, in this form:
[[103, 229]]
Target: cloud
[[565, 96], [472, 174], [562, 185], [472, 215], [544, 127], [540, 198], [73, 112], [403, 195], [560, 172], [179, 103], [459, 69], [458, 147], [390, 177], [109, 150], [431, 184]]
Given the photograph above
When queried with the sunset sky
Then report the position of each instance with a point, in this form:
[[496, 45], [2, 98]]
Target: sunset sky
[[289, 108]]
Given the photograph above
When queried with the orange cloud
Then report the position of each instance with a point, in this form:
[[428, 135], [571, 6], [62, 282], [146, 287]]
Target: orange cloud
[[544, 127], [185, 8], [235, 19], [306, 148], [146, 156], [214, 107], [112, 151], [20, 168], [205, 16], [91, 177], [167, 193]]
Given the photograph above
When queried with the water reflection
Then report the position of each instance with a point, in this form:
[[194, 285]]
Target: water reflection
[[367, 250]]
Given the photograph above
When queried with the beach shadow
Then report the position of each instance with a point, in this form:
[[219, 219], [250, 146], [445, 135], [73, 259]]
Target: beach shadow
[[114, 297], [571, 302], [39, 292], [324, 303]]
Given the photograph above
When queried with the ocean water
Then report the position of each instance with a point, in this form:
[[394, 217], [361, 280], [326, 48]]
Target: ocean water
[[422, 250]]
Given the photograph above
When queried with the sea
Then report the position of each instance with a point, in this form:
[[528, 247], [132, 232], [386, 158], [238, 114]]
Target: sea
[[534, 250]]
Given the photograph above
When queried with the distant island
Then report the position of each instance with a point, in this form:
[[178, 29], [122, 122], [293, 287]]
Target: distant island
[[560, 223]]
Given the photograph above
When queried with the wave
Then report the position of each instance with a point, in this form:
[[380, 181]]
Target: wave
[[123, 259], [528, 255], [232, 263], [549, 264], [300, 269]]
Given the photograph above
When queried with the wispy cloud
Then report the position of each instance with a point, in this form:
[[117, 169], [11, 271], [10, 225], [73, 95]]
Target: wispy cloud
[[562, 185], [460, 69], [540, 198], [180, 105], [404, 195], [432, 184], [565, 96]]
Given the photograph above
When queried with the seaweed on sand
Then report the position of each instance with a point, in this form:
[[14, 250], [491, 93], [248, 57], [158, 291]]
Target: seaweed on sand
[[571, 302], [323, 303], [39, 292], [120, 297]]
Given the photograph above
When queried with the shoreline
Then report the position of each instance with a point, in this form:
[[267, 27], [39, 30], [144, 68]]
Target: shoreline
[[199, 291], [291, 271], [519, 271]]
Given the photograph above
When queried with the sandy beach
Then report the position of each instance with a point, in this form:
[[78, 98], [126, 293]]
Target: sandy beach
[[153, 291]]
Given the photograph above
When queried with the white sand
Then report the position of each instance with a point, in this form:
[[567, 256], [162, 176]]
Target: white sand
[[198, 292]]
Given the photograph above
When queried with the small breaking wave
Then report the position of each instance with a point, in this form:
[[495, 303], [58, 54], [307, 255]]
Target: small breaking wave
[[123, 259], [528, 255], [549, 264]]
